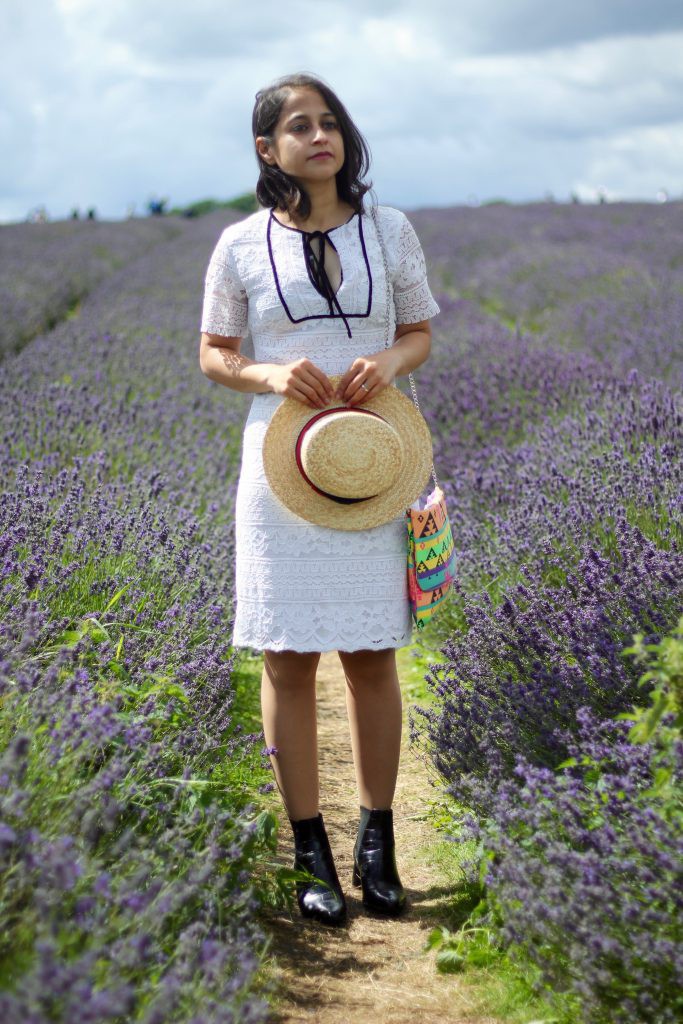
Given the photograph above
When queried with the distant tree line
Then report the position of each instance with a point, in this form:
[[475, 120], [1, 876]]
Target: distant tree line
[[246, 203], [155, 207]]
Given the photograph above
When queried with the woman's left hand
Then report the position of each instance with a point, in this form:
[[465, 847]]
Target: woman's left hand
[[367, 377]]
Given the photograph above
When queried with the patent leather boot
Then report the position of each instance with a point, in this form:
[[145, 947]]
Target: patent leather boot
[[374, 863], [324, 902]]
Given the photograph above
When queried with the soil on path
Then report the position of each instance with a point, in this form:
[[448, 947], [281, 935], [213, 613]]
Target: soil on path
[[374, 970]]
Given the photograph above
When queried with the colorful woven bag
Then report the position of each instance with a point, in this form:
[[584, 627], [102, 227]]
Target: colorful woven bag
[[431, 548], [431, 557]]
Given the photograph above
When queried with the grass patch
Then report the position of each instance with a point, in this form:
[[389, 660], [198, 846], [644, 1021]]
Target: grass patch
[[413, 662], [246, 677]]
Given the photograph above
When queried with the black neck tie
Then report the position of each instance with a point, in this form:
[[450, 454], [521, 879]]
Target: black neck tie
[[316, 265]]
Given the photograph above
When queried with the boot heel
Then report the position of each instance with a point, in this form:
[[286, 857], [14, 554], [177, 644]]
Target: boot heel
[[321, 898], [374, 863]]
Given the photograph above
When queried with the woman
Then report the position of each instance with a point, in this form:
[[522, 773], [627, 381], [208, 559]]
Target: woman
[[305, 276]]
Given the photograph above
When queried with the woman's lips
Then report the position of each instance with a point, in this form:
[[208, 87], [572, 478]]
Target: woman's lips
[[321, 156]]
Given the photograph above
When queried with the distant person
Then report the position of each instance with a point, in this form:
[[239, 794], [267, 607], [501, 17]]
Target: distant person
[[156, 207], [306, 277], [38, 215]]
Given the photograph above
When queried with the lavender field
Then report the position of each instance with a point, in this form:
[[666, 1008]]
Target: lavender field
[[554, 397], [133, 849]]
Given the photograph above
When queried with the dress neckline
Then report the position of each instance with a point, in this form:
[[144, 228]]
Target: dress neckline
[[322, 286], [301, 232]]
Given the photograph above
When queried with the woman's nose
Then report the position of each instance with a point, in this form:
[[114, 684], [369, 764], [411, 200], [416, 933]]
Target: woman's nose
[[320, 134]]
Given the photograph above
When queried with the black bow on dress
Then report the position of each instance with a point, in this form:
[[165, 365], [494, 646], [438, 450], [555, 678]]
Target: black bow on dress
[[316, 266]]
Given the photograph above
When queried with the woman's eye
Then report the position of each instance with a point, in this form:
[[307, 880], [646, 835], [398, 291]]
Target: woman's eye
[[302, 126]]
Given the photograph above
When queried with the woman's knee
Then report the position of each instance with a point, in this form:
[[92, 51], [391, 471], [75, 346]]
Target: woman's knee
[[368, 667], [291, 668]]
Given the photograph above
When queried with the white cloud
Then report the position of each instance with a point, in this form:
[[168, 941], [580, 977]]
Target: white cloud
[[106, 104], [642, 161]]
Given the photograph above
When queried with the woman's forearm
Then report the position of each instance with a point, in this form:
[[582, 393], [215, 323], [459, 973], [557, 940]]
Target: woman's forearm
[[225, 366], [411, 349]]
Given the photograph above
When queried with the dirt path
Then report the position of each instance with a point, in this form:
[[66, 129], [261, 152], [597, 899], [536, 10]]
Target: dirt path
[[375, 970]]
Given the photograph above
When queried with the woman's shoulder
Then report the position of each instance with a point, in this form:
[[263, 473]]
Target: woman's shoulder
[[392, 224], [240, 240], [245, 229], [390, 214]]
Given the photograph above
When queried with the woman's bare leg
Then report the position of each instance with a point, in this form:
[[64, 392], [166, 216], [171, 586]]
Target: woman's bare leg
[[373, 703], [288, 706]]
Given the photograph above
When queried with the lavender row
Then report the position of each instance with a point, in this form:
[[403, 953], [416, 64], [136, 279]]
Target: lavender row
[[584, 873], [128, 840], [562, 466], [541, 447], [48, 268], [606, 281], [552, 465], [459, 238], [512, 683]]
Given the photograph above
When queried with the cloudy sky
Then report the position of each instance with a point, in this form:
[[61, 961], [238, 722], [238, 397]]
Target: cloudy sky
[[111, 102]]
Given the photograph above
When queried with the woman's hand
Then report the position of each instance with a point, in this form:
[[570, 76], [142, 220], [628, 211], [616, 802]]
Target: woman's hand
[[303, 381], [368, 376]]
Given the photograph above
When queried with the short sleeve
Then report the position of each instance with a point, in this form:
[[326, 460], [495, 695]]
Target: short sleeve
[[412, 298], [226, 306]]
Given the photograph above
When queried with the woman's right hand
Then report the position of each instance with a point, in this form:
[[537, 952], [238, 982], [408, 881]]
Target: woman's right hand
[[303, 381]]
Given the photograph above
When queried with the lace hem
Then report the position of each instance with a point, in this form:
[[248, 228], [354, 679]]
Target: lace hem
[[362, 628], [415, 305]]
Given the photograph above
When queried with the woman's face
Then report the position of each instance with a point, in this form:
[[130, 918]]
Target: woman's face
[[307, 142]]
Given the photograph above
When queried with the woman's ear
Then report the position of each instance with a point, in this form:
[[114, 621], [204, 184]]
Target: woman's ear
[[263, 150]]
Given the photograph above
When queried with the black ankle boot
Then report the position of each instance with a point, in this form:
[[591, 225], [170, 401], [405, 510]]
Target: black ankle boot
[[374, 863], [312, 853]]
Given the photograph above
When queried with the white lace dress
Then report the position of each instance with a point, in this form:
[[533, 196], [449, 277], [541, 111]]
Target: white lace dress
[[299, 586]]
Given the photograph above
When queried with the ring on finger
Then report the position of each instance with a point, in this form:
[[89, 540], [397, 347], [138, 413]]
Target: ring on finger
[[365, 387]]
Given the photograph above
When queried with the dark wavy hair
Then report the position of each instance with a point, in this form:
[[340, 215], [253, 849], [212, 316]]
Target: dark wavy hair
[[277, 189]]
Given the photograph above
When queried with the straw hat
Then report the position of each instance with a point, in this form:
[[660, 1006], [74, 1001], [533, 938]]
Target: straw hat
[[349, 469]]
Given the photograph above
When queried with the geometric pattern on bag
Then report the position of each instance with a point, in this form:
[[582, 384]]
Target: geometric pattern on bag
[[431, 557]]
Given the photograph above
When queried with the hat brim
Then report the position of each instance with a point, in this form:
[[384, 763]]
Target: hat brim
[[287, 483]]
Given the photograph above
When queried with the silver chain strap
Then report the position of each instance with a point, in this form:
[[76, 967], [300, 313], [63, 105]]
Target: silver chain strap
[[389, 298]]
